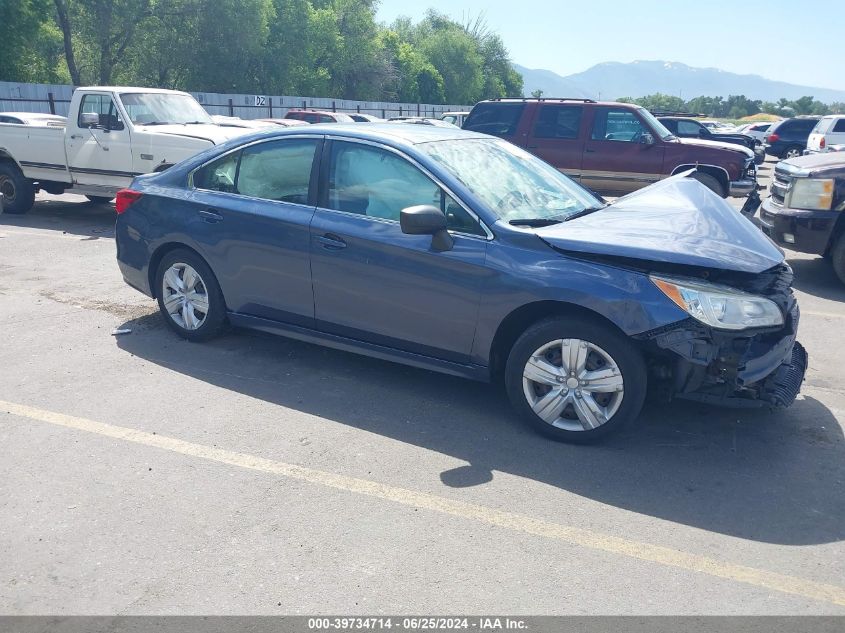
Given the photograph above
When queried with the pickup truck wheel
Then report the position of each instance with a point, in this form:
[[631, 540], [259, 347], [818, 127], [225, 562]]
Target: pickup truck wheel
[[18, 192], [99, 199], [574, 380], [710, 182], [189, 297], [837, 257]]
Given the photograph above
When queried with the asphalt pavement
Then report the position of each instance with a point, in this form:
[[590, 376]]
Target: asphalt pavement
[[142, 474]]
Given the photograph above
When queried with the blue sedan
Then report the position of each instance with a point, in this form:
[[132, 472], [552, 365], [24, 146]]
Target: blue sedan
[[462, 253]]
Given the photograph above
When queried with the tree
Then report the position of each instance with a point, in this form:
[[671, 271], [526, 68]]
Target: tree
[[537, 93], [26, 37]]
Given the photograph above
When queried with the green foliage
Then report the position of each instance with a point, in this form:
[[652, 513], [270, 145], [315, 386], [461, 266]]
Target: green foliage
[[331, 48], [735, 106]]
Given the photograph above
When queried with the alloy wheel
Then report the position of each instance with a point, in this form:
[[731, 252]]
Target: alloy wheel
[[573, 384], [185, 296]]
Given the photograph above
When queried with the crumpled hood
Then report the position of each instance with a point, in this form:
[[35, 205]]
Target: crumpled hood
[[675, 221], [217, 134], [720, 144]]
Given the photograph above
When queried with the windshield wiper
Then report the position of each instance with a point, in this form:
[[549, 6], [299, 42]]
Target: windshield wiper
[[156, 123], [195, 123], [583, 212], [535, 222]]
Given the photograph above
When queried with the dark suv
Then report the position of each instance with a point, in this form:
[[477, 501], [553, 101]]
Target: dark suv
[[805, 210], [614, 148], [788, 138], [687, 127]]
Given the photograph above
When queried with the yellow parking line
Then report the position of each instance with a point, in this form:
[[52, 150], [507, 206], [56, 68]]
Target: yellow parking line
[[507, 520]]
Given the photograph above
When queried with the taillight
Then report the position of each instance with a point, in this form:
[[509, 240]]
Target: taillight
[[773, 138], [126, 198], [821, 143]]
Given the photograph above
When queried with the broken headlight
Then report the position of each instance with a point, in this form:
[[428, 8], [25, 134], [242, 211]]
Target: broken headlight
[[720, 306]]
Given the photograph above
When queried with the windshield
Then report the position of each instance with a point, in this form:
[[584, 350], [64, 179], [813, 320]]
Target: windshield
[[514, 184], [156, 108], [656, 125]]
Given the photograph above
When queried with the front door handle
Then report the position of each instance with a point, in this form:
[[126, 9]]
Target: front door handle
[[331, 242], [212, 217], [76, 136], [589, 151]]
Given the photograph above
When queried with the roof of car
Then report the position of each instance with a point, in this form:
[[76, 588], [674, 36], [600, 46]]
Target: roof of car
[[130, 89], [385, 132]]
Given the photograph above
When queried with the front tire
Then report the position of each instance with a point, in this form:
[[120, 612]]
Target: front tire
[[189, 297], [711, 183], [18, 191], [574, 380], [837, 257]]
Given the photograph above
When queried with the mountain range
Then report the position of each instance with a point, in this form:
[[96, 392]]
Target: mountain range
[[611, 80]]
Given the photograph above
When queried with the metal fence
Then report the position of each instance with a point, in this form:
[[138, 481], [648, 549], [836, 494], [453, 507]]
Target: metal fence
[[55, 98]]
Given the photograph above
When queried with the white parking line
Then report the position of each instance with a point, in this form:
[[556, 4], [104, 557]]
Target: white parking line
[[491, 516]]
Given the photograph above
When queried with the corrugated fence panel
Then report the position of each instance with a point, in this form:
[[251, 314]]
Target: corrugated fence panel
[[17, 97]]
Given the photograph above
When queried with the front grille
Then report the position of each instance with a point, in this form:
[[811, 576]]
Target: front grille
[[781, 183]]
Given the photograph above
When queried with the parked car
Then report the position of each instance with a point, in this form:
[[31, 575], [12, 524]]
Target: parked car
[[758, 130], [462, 253], [111, 136], [805, 210], [286, 122], [365, 118], [829, 131], [686, 127], [615, 148], [719, 126], [455, 118], [233, 121], [788, 138], [421, 120], [318, 116], [33, 118]]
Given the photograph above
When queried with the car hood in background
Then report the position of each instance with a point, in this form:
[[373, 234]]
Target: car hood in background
[[214, 133], [676, 221], [830, 164], [720, 144]]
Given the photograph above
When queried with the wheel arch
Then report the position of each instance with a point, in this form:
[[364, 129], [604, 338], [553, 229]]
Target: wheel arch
[[6, 157], [719, 173], [523, 317]]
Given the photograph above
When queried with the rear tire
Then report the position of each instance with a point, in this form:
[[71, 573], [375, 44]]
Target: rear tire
[[18, 191], [99, 199], [607, 390], [837, 257], [189, 297], [793, 151], [711, 182]]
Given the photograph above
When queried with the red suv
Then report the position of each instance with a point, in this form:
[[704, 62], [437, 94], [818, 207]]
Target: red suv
[[615, 148], [319, 116]]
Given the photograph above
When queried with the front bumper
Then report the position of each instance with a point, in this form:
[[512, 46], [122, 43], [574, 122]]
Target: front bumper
[[810, 231], [741, 188], [734, 369]]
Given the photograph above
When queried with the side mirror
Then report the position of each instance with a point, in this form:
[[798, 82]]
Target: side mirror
[[90, 119], [427, 220], [646, 139]]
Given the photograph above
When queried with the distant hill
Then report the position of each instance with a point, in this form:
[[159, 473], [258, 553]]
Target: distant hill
[[611, 80]]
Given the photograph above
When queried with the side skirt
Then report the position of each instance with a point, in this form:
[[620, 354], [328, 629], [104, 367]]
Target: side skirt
[[472, 372]]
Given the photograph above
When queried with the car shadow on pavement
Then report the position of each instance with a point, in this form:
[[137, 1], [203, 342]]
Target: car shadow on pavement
[[816, 277], [66, 214], [774, 477]]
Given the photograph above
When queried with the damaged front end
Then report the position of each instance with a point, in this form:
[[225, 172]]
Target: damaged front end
[[762, 366]]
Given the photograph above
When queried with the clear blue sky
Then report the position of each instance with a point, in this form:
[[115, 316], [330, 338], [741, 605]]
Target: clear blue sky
[[798, 42]]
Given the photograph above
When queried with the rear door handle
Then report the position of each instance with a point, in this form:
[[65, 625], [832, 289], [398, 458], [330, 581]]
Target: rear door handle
[[589, 151], [212, 217], [331, 242]]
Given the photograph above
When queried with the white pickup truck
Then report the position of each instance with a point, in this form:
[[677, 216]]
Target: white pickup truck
[[111, 135]]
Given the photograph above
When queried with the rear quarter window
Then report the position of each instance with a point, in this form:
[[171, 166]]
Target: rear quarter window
[[498, 119], [840, 126]]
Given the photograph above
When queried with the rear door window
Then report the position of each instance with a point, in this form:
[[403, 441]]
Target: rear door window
[[556, 121], [498, 119]]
